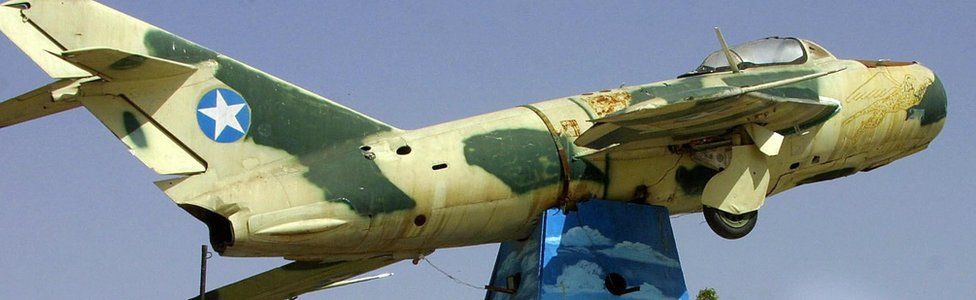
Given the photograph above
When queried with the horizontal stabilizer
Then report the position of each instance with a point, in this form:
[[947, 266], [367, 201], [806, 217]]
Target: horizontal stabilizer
[[114, 64], [297, 278], [37, 103]]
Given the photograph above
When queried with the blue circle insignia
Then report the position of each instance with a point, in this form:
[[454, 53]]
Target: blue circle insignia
[[223, 115]]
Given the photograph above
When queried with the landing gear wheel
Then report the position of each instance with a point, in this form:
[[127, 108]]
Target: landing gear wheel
[[728, 225]]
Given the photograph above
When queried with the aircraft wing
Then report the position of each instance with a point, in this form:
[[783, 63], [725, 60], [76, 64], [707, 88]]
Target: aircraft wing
[[712, 111], [297, 278]]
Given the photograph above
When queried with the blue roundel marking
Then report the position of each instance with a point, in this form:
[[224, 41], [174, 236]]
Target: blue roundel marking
[[223, 115]]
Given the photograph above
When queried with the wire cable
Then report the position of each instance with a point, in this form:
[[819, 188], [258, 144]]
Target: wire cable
[[458, 281]]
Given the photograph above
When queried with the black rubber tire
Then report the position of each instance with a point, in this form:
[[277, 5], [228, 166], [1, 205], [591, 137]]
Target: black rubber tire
[[730, 226]]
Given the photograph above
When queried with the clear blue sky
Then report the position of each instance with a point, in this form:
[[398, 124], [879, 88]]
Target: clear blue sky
[[81, 218]]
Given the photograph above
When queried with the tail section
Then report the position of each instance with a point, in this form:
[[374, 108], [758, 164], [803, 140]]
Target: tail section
[[35, 42], [179, 107]]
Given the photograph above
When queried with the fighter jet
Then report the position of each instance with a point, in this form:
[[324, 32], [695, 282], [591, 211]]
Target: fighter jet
[[274, 170]]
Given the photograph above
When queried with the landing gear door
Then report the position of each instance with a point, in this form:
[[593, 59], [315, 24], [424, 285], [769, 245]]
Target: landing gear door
[[742, 186]]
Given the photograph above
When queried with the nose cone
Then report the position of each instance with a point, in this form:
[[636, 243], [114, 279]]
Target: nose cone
[[933, 104], [928, 115]]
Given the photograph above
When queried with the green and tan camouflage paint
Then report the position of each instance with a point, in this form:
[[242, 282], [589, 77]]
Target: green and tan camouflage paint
[[313, 180]]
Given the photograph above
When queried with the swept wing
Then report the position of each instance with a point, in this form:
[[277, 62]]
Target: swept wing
[[297, 278], [708, 112]]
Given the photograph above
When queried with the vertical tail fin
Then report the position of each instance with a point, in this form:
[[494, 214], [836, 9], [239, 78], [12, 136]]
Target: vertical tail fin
[[34, 41], [179, 107]]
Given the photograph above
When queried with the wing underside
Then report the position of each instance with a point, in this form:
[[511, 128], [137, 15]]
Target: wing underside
[[296, 278]]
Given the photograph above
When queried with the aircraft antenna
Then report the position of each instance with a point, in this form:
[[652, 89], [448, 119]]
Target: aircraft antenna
[[728, 53]]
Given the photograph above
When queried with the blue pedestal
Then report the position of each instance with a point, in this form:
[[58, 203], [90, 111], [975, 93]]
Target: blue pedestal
[[605, 247]]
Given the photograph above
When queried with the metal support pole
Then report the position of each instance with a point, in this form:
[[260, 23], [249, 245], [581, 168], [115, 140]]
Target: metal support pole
[[203, 271]]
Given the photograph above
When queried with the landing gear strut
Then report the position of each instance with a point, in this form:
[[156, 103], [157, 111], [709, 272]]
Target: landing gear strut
[[728, 225]]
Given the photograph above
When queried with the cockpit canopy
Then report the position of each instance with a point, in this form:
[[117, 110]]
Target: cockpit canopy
[[764, 52]]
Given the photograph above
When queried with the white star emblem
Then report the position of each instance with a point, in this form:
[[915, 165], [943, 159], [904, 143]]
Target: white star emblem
[[223, 115]]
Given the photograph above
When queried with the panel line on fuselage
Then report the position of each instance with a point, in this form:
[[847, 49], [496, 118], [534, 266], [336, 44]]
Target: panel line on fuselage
[[565, 175]]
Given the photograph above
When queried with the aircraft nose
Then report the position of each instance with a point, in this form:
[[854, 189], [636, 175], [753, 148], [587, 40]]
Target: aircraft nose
[[932, 106]]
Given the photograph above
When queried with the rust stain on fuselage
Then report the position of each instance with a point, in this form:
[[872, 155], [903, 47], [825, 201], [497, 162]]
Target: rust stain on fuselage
[[570, 128], [605, 103]]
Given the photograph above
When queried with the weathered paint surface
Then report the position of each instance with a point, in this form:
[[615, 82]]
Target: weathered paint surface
[[476, 180], [669, 90], [323, 135], [528, 162], [132, 130], [933, 103], [692, 180], [604, 103]]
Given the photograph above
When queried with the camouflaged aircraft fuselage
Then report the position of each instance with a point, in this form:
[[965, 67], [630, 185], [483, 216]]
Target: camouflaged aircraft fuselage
[[313, 180], [486, 178]]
